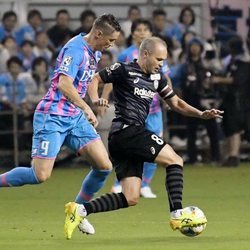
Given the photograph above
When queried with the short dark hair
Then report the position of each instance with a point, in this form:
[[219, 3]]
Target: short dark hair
[[38, 61], [7, 38], [187, 8], [139, 21], [27, 42], [33, 13], [8, 14], [87, 13], [133, 7], [107, 21], [62, 11], [159, 12], [14, 59]]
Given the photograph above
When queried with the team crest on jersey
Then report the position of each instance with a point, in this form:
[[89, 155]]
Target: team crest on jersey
[[136, 80], [67, 60], [156, 84], [115, 66]]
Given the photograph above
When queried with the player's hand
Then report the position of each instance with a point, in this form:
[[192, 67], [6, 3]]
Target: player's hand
[[101, 102], [91, 117], [212, 113], [101, 111]]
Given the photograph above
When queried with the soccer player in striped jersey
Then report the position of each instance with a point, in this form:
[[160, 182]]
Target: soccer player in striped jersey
[[62, 117], [131, 144], [141, 29]]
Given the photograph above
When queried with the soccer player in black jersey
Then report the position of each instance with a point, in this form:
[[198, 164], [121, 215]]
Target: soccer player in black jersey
[[130, 144]]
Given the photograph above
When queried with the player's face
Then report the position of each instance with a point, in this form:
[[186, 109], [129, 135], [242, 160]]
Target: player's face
[[106, 41], [141, 32], [154, 60]]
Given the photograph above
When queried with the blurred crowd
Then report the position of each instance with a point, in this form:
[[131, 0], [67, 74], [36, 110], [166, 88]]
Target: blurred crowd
[[206, 73]]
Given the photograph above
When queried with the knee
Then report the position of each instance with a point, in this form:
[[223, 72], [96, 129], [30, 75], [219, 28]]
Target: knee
[[132, 200], [106, 166], [42, 176], [179, 160], [176, 159]]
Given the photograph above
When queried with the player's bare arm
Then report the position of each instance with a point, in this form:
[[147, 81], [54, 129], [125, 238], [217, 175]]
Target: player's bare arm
[[69, 91], [180, 106], [93, 92]]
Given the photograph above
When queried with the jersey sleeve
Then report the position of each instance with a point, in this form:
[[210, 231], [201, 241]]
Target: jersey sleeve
[[164, 90], [112, 74], [70, 62]]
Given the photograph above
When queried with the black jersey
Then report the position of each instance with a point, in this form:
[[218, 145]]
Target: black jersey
[[133, 92]]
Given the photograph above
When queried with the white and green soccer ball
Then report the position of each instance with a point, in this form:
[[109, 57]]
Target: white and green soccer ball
[[196, 230]]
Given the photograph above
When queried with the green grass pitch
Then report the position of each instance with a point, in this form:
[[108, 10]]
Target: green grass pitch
[[32, 217]]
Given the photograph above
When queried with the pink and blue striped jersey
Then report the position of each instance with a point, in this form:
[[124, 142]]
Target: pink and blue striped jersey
[[131, 53], [78, 61]]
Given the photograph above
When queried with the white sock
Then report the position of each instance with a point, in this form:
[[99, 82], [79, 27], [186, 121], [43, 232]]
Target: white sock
[[81, 210], [176, 213]]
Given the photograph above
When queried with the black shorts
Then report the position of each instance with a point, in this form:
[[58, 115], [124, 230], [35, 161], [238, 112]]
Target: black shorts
[[233, 118], [129, 148]]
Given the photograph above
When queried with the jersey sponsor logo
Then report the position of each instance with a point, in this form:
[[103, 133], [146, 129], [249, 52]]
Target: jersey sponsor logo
[[143, 93], [115, 66], [87, 74], [134, 73], [67, 60], [63, 68], [155, 77]]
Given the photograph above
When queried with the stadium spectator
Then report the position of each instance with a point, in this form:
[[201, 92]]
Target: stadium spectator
[[41, 47], [87, 19], [8, 26], [7, 50], [130, 144], [12, 97], [159, 19], [28, 31], [26, 54], [36, 82], [63, 117], [235, 100], [185, 24], [134, 13], [195, 93], [60, 30]]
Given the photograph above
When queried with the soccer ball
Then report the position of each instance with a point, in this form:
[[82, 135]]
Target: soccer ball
[[196, 230]]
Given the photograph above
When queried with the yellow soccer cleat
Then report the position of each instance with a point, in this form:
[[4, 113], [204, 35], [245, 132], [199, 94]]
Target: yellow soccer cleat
[[72, 219], [187, 218]]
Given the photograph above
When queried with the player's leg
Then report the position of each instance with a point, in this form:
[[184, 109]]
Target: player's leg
[[129, 171], [104, 203], [45, 146], [174, 186], [84, 140], [154, 124], [174, 175], [97, 156]]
